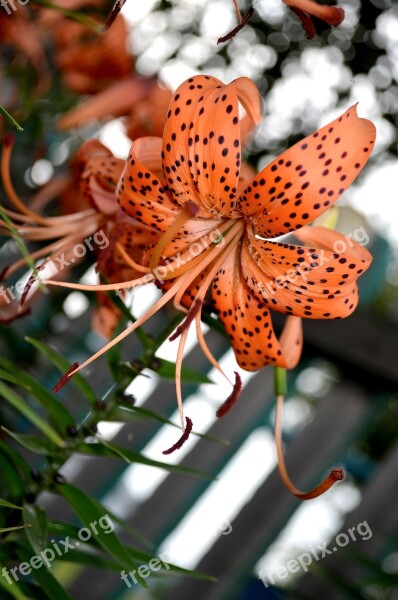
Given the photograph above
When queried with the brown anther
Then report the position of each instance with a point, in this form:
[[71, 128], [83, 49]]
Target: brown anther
[[195, 308], [29, 284], [65, 378], [232, 398], [232, 34], [117, 7], [183, 438], [335, 16], [306, 21]]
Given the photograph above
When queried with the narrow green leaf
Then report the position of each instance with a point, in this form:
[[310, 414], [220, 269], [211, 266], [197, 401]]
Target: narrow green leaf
[[145, 557], [37, 533], [13, 589], [32, 443], [89, 510], [167, 369], [10, 478], [16, 460], [62, 364], [64, 530], [9, 504], [92, 560], [21, 245], [74, 15], [27, 411], [146, 413], [45, 578], [58, 414], [26, 526], [129, 456], [10, 119]]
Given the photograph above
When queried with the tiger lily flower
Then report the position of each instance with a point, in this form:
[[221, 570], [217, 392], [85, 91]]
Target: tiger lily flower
[[218, 226], [68, 230]]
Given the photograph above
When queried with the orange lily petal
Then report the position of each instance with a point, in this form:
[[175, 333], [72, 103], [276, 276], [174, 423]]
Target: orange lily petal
[[100, 172], [301, 183], [115, 100], [140, 192], [201, 141], [248, 322], [315, 283]]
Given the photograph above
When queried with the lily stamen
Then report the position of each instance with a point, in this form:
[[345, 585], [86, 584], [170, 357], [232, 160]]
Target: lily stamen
[[190, 210], [334, 476], [186, 432], [232, 398]]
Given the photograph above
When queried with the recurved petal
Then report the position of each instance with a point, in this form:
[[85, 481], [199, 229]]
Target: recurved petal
[[301, 183], [202, 141], [140, 191], [117, 99], [100, 172], [248, 323], [317, 282]]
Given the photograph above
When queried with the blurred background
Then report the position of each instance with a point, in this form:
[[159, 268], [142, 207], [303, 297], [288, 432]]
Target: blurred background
[[341, 407]]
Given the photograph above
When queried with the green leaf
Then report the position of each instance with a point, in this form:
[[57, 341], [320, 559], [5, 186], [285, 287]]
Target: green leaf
[[45, 578], [26, 526], [89, 510], [64, 530], [20, 244], [10, 119], [89, 559], [75, 15], [16, 460], [145, 557], [37, 533], [27, 411], [62, 364], [146, 413], [58, 414], [32, 443], [9, 504], [11, 479], [13, 589], [167, 369], [130, 456]]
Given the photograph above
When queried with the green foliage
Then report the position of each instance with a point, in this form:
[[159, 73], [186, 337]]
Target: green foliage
[[44, 435]]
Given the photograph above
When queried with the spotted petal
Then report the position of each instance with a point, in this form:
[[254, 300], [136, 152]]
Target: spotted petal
[[316, 282], [202, 141], [140, 191], [248, 322], [306, 179], [100, 172]]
